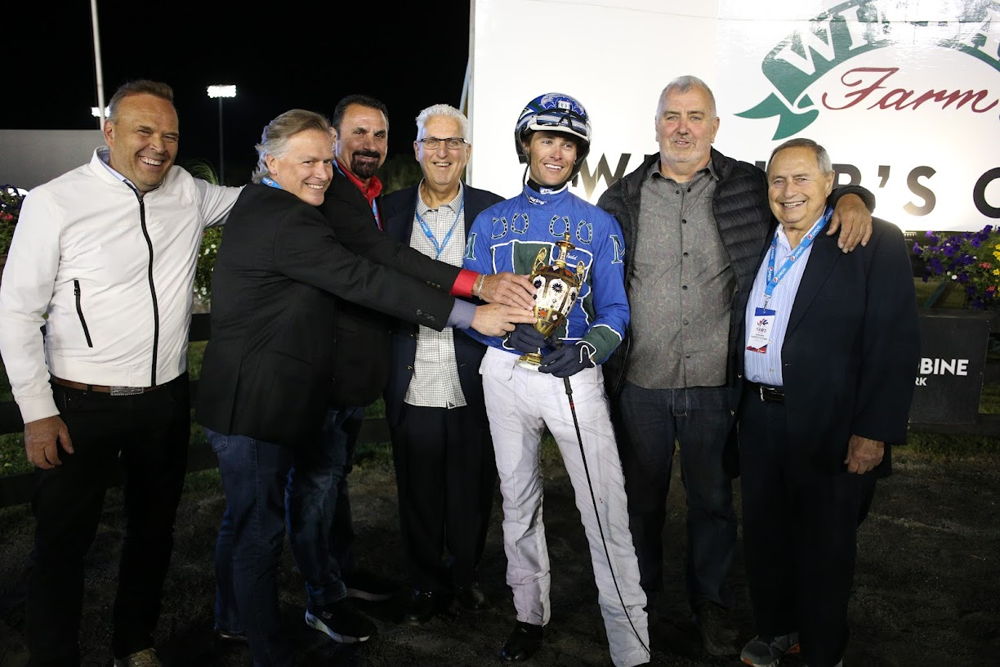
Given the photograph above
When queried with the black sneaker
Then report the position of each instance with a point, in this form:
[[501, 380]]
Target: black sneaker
[[363, 585], [768, 651], [341, 622]]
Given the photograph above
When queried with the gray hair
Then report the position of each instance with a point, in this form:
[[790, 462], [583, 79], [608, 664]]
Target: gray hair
[[139, 87], [274, 138], [822, 157], [683, 84], [443, 110]]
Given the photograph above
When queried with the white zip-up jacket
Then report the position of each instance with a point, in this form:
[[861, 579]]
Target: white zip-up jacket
[[109, 274]]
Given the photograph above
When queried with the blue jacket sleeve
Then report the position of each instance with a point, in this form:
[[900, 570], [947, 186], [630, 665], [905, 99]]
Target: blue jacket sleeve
[[610, 302]]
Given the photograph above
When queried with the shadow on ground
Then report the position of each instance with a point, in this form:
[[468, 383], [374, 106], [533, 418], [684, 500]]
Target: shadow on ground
[[927, 590]]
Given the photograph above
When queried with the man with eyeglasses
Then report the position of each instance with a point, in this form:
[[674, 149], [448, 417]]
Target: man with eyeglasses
[[445, 473], [318, 502], [695, 222]]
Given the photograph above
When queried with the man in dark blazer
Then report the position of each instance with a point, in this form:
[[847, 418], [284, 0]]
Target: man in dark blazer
[[318, 500], [830, 354], [445, 470], [265, 378]]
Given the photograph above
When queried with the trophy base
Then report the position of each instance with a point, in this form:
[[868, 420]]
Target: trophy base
[[530, 361]]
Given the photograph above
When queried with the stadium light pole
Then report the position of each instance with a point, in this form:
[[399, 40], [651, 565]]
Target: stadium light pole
[[221, 91]]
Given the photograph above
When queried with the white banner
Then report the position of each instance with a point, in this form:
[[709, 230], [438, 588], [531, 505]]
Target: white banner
[[904, 94]]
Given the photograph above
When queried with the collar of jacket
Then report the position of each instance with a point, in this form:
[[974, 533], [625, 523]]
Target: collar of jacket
[[370, 191]]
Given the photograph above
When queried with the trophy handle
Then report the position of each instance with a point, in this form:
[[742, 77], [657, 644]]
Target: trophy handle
[[540, 260]]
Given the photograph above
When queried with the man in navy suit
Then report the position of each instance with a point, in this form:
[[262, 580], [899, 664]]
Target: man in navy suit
[[830, 353], [445, 472]]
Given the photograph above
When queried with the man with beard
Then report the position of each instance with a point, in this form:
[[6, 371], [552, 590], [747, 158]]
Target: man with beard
[[266, 374], [319, 511]]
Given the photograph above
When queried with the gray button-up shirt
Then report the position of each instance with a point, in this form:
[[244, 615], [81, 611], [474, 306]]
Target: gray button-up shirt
[[681, 288]]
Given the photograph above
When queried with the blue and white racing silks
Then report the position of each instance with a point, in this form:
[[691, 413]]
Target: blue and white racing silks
[[508, 235]]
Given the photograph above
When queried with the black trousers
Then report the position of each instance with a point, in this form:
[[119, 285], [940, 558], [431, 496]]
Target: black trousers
[[799, 534], [446, 479], [147, 437]]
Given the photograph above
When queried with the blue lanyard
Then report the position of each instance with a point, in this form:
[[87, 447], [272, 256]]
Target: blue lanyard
[[267, 180], [439, 247], [774, 278]]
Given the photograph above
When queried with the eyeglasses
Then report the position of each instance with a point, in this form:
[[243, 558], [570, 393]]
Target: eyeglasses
[[451, 143]]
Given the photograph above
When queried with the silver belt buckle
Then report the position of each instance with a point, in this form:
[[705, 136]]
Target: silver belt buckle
[[760, 388], [126, 391]]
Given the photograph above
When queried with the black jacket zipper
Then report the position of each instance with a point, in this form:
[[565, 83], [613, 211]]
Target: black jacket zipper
[[152, 288], [79, 311]]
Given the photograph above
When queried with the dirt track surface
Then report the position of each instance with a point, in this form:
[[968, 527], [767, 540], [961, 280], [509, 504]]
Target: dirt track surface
[[927, 590]]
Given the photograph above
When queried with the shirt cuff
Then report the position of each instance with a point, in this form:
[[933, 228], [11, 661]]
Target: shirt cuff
[[461, 314], [463, 283], [37, 408]]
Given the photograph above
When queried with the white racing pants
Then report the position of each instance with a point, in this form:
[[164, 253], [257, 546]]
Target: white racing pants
[[521, 404]]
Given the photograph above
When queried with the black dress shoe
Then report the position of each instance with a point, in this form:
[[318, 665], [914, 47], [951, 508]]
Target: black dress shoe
[[471, 598], [523, 642], [420, 607]]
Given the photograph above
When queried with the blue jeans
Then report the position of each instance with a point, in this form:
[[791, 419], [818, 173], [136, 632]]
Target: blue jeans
[[251, 537], [319, 507], [699, 418]]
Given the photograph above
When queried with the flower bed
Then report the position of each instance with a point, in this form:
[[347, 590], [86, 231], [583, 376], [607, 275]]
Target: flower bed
[[970, 260]]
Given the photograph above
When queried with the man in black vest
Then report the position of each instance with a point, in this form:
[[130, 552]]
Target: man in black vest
[[694, 222]]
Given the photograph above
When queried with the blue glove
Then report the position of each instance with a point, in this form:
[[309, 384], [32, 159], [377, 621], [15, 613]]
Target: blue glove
[[525, 338], [567, 360]]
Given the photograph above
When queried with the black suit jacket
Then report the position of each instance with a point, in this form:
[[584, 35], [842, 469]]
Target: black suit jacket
[[850, 353], [267, 368], [361, 359], [397, 217]]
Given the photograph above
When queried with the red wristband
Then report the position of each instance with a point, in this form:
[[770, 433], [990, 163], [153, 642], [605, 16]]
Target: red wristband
[[463, 283]]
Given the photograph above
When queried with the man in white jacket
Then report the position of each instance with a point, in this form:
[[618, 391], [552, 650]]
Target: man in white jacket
[[104, 257]]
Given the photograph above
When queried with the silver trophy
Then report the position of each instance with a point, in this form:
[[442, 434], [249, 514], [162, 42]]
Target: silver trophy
[[556, 289]]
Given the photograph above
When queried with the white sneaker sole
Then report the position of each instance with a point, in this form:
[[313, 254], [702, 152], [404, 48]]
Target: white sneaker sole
[[316, 623]]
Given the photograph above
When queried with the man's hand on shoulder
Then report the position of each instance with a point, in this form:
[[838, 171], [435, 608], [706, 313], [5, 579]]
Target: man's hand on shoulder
[[511, 289], [863, 454], [854, 221], [496, 319], [42, 438]]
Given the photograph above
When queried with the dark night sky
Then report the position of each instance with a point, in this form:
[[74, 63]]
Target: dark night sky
[[410, 56]]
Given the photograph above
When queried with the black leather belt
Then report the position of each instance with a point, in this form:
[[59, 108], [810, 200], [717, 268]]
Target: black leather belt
[[103, 389], [767, 394]]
